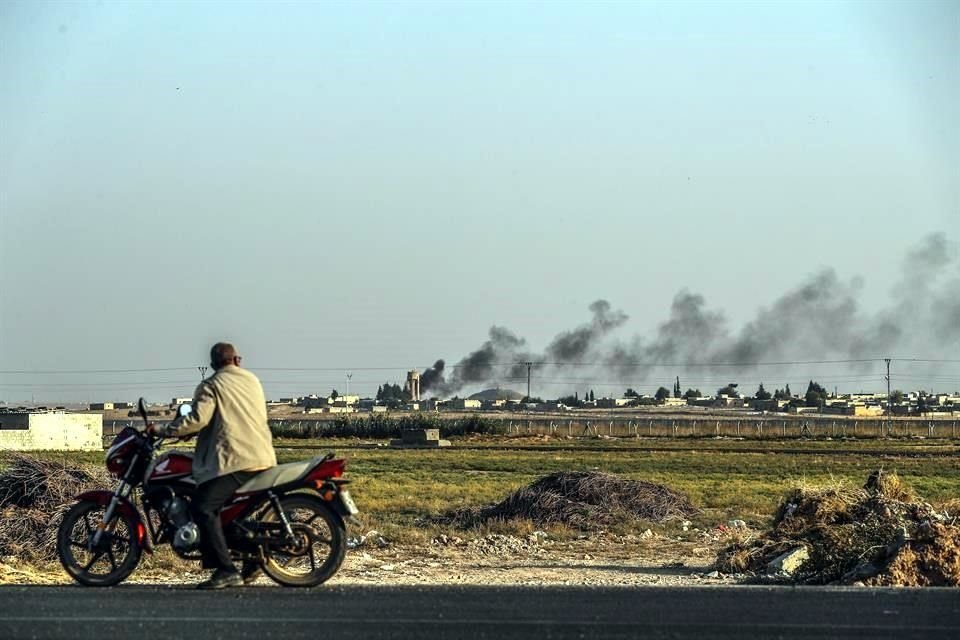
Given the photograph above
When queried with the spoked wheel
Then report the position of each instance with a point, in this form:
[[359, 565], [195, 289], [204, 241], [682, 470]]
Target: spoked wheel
[[111, 559], [318, 547]]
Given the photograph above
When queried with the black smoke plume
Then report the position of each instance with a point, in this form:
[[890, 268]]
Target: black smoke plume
[[820, 319]]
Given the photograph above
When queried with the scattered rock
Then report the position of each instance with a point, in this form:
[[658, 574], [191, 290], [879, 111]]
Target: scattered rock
[[787, 563]]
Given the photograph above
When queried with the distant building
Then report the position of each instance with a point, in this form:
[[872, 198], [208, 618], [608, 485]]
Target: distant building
[[176, 402], [412, 386], [51, 431], [101, 406], [853, 409], [613, 403], [344, 401], [799, 410], [551, 406], [331, 409], [316, 402], [463, 404]]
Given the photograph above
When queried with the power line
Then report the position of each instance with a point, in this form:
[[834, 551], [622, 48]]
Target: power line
[[617, 365], [88, 371]]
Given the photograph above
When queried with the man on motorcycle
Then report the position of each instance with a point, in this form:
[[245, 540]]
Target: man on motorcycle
[[229, 417]]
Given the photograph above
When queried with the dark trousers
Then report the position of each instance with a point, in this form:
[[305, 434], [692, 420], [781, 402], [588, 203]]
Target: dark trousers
[[207, 502]]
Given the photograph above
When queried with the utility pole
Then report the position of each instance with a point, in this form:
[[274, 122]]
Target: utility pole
[[203, 373], [889, 408], [529, 365], [349, 378]]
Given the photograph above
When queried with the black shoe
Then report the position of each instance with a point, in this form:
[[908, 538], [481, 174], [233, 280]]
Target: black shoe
[[222, 579], [250, 572]]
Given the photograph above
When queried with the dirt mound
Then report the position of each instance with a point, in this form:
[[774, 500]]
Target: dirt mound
[[34, 494], [583, 500], [880, 534]]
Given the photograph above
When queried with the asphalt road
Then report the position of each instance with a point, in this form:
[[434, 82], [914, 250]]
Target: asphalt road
[[478, 612]]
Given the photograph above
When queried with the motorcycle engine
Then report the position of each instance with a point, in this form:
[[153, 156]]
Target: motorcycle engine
[[186, 535]]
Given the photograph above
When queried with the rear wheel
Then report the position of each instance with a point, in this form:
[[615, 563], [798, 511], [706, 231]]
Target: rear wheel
[[111, 559], [317, 550]]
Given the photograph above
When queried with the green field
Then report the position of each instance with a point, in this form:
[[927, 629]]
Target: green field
[[726, 479]]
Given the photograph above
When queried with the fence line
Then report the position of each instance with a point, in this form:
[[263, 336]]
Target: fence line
[[656, 427]]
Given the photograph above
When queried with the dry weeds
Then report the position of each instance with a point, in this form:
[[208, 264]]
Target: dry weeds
[[879, 534], [34, 495], [582, 500]]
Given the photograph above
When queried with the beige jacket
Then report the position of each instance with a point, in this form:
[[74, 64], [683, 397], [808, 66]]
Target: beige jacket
[[230, 416]]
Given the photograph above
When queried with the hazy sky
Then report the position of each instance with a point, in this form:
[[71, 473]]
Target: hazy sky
[[359, 185]]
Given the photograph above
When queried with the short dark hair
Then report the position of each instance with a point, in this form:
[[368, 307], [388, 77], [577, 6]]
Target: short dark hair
[[222, 354]]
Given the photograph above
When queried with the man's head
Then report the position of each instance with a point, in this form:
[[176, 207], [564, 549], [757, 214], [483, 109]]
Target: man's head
[[222, 354]]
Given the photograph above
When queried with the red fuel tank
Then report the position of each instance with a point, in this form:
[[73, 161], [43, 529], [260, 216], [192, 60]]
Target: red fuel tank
[[171, 465]]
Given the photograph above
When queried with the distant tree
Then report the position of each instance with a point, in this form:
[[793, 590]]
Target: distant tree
[[392, 395], [570, 401], [630, 393], [787, 391], [531, 400], [896, 397], [782, 394], [592, 397], [676, 388], [692, 393], [662, 394], [762, 394], [334, 394], [923, 402], [729, 390], [816, 395]]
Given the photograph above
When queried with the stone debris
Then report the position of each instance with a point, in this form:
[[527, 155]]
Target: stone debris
[[370, 538], [880, 534], [788, 563]]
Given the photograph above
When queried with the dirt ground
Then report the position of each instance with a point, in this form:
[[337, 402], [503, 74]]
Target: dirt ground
[[601, 560]]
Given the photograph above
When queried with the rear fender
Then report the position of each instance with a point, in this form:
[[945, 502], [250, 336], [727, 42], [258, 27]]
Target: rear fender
[[125, 507], [329, 468]]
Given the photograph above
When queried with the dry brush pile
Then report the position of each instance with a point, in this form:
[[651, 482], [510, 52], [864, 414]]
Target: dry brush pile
[[880, 534], [580, 499], [34, 495]]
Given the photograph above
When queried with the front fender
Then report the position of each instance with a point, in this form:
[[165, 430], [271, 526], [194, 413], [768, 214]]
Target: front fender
[[126, 508]]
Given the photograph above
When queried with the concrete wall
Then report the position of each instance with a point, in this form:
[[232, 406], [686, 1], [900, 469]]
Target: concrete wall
[[51, 432]]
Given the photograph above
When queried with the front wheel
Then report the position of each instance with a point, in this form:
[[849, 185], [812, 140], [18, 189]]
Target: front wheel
[[106, 562], [317, 550]]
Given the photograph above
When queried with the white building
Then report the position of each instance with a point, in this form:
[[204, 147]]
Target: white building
[[51, 431]]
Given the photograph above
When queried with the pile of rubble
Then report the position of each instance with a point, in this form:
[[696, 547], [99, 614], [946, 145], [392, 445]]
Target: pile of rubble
[[581, 499], [881, 534], [34, 495]]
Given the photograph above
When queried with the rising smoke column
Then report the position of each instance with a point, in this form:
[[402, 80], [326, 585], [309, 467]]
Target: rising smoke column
[[820, 319], [571, 346], [501, 358]]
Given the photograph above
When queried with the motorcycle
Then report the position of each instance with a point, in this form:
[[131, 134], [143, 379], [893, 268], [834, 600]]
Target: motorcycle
[[289, 520]]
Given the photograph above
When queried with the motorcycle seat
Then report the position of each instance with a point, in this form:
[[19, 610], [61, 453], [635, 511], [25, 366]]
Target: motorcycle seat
[[279, 475]]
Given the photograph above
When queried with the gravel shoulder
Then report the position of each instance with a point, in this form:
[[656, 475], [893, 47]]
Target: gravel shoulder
[[534, 560]]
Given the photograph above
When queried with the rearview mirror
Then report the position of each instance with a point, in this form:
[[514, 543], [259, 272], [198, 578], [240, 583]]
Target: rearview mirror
[[184, 410], [142, 409]]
